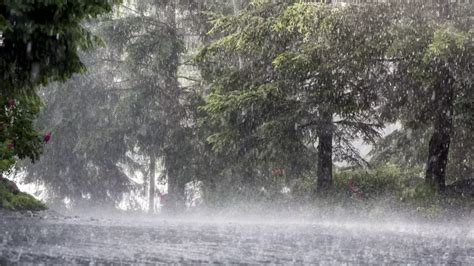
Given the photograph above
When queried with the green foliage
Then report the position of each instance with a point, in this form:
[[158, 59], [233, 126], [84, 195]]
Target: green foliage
[[432, 54], [420, 193], [431, 91], [7, 160], [269, 73], [395, 188], [128, 105], [276, 67], [18, 138], [18, 202], [24, 201], [40, 43], [378, 182], [426, 49], [407, 148], [447, 40], [303, 186]]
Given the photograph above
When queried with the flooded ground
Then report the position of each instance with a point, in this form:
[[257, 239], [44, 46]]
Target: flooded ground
[[200, 241]]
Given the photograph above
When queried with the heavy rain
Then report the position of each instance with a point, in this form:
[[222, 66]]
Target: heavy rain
[[138, 132]]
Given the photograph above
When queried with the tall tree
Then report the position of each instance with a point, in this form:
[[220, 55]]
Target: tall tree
[[433, 74], [156, 97], [83, 161], [308, 74], [137, 108], [39, 43]]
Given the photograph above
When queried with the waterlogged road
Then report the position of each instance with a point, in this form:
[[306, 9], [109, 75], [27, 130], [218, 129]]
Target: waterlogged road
[[195, 241]]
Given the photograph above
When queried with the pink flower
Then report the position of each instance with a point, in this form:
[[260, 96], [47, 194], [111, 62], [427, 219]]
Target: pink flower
[[163, 199], [47, 137], [278, 171], [354, 188], [11, 103]]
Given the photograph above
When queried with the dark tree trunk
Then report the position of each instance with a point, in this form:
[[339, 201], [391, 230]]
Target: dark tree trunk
[[175, 201], [325, 135], [176, 198], [441, 139], [151, 192]]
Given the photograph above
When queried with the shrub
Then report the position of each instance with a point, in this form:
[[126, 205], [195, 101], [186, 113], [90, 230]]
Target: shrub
[[385, 180], [18, 202]]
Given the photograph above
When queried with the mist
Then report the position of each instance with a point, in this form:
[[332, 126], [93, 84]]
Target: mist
[[237, 131]]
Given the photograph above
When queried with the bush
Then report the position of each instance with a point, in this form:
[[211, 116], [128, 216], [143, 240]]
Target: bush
[[24, 201], [18, 202], [392, 188], [373, 183]]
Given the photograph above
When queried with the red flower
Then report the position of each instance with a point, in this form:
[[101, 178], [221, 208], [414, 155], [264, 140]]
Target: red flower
[[10, 146], [47, 137]]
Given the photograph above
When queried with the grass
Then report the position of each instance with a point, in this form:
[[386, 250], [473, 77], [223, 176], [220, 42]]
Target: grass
[[18, 202], [386, 191], [403, 191]]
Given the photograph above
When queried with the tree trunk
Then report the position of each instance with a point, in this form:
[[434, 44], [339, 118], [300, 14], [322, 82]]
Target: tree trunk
[[324, 170], [441, 139], [176, 202], [151, 192]]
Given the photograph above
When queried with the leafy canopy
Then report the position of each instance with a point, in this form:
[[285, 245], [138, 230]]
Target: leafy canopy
[[40, 41]]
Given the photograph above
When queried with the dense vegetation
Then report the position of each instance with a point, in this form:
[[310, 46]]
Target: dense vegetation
[[258, 100], [39, 44], [13, 199]]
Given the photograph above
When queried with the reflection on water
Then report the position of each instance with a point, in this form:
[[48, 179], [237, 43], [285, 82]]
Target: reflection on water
[[168, 241]]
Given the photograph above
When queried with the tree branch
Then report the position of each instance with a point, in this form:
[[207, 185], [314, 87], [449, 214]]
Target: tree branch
[[189, 78]]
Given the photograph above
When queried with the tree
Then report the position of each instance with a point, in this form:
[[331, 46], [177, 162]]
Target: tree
[[84, 158], [17, 136], [112, 114], [164, 109], [153, 46], [136, 107], [308, 73], [433, 75], [39, 43], [407, 147]]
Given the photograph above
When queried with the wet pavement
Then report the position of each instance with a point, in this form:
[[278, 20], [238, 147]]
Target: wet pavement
[[191, 241]]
